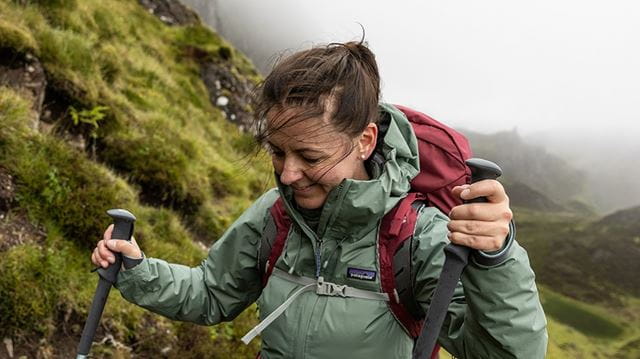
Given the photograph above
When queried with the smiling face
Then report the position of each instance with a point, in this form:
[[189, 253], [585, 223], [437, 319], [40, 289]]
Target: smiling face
[[312, 157]]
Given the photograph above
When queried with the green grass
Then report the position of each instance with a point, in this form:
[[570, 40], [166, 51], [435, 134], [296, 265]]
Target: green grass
[[162, 151], [589, 320]]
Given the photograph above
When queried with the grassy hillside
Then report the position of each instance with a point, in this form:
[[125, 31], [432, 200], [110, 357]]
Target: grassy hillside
[[126, 122]]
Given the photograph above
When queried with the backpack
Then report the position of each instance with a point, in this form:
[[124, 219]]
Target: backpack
[[442, 153]]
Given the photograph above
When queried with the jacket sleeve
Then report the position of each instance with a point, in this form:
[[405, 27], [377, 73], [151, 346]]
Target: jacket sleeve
[[495, 311], [219, 289]]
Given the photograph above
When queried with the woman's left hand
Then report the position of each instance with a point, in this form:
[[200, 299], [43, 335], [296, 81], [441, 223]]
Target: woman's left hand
[[482, 226]]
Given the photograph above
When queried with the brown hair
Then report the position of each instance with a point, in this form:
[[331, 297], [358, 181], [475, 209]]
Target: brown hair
[[339, 80]]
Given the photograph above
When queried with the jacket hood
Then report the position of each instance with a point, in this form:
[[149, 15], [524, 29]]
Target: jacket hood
[[354, 207]]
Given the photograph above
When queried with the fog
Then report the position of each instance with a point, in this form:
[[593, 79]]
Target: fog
[[565, 74]]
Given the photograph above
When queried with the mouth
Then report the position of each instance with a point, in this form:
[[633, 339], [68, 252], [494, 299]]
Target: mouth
[[302, 189]]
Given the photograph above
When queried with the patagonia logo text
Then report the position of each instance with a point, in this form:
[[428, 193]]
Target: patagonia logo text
[[363, 274]]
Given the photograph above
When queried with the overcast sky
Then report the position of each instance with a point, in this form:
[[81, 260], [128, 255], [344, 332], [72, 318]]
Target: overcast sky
[[483, 65]]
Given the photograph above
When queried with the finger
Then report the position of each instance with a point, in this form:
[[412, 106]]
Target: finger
[[108, 232], [94, 259], [97, 260], [486, 212], [105, 253], [492, 190], [479, 228], [125, 247], [458, 189], [482, 243]]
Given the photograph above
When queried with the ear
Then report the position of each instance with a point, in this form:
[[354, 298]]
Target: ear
[[368, 140]]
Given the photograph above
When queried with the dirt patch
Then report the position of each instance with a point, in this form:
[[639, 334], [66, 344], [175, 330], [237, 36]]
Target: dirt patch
[[23, 72], [171, 12], [7, 191], [15, 227]]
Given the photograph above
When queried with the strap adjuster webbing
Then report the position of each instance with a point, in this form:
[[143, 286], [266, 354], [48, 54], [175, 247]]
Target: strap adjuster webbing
[[321, 288]]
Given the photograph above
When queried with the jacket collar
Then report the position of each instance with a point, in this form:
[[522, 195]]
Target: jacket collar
[[354, 207]]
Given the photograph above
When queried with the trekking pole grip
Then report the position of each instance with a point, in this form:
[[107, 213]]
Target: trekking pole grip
[[480, 170], [122, 230]]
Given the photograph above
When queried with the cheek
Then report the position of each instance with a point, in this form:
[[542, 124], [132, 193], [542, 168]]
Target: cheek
[[277, 163], [328, 177]]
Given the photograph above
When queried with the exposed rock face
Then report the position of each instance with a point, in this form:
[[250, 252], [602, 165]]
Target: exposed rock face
[[171, 12], [207, 10], [230, 93], [227, 92], [22, 71]]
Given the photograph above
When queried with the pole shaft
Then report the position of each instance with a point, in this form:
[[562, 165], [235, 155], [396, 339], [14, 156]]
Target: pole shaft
[[90, 326]]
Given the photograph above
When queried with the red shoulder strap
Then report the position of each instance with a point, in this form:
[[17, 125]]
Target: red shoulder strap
[[283, 223], [398, 226]]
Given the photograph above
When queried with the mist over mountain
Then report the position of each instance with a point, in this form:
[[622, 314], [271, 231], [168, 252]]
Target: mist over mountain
[[577, 170], [608, 157], [534, 177]]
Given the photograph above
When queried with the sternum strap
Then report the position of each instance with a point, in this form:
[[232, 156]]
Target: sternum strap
[[321, 287]]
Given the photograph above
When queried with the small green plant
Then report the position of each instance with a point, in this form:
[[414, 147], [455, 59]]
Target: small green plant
[[56, 187], [90, 117]]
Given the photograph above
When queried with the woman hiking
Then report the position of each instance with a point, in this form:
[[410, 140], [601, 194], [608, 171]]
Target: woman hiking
[[342, 160]]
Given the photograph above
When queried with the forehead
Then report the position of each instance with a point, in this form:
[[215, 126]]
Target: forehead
[[296, 128]]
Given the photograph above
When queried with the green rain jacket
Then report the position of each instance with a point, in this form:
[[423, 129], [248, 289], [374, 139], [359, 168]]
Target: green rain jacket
[[495, 312]]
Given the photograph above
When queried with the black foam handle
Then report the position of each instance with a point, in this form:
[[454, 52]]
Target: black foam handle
[[482, 170], [123, 229]]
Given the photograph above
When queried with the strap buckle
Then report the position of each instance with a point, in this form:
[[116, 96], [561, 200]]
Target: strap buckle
[[330, 289]]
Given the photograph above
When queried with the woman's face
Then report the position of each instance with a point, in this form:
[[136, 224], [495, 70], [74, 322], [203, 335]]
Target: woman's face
[[312, 158]]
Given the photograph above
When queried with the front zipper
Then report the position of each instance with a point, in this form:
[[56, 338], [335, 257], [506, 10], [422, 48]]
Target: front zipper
[[318, 256]]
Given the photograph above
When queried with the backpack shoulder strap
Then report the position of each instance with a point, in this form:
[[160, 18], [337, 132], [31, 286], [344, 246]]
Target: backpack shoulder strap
[[396, 277], [395, 246], [273, 239]]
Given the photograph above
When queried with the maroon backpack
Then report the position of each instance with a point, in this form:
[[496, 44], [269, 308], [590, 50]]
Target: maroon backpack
[[442, 153]]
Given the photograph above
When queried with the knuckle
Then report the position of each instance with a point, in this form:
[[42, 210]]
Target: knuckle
[[508, 215], [497, 186], [471, 226], [504, 231], [473, 211], [471, 240]]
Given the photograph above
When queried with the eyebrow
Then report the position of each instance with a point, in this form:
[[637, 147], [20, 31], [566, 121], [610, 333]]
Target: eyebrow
[[299, 149]]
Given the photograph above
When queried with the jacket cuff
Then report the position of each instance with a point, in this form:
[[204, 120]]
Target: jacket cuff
[[130, 262], [484, 259], [129, 279]]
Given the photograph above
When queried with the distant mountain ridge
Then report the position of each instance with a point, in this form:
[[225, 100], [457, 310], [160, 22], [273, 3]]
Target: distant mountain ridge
[[534, 178]]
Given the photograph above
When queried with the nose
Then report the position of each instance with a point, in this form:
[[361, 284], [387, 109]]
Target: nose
[[291, 171]]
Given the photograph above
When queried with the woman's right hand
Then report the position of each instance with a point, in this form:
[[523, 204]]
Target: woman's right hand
[[103, 254]]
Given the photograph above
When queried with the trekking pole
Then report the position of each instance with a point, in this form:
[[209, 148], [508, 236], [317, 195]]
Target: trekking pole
[[456, 258], [122, 229]]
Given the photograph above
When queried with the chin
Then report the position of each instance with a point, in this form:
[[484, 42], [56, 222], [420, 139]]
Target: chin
[[309, 203]]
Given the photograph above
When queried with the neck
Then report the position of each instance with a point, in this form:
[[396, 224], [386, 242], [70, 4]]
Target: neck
[[361, 174]]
